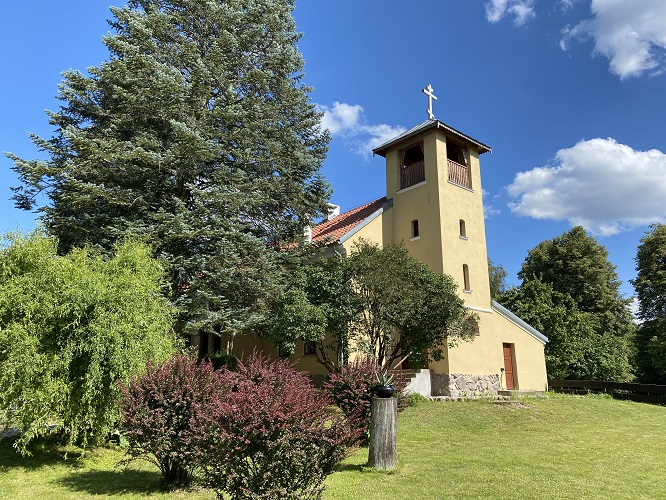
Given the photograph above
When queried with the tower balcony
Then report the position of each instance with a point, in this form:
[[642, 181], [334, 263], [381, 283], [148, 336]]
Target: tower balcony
[[412, 174], [459, 174]]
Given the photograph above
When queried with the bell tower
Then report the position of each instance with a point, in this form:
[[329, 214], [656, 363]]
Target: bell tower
[[433, 179]]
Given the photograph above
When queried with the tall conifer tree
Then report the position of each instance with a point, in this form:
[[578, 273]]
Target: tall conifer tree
[[197, 134]]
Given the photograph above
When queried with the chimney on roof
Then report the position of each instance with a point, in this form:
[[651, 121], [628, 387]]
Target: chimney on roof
[[333, 211], [307, 233]]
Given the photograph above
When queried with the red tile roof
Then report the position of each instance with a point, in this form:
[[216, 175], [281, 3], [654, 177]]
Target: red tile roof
[[340, 225]]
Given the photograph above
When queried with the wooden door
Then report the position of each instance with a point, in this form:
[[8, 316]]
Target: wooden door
[[508, 366]]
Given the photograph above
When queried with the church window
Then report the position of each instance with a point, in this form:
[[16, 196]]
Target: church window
[[415, 229], [458, 162], [463, 229], [466, 286], [309, 347], [412, 167]]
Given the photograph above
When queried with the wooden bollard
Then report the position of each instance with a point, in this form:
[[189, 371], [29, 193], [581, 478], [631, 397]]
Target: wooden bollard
[[383, 424]]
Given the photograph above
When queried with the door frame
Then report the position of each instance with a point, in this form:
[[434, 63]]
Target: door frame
[[510, 348]]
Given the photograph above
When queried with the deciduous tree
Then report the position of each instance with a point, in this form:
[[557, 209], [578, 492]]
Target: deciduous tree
[[497, 276], [70, 327], [407, 308], [380, 302], [599, 327], [577, 348], [198, 134], [650, 285], [319, 305]]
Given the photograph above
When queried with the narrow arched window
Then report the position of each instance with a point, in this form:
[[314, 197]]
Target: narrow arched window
[[463, 229], [466, 287]]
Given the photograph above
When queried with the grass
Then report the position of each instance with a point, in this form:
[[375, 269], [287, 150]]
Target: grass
[[556, 447], [58, 473]]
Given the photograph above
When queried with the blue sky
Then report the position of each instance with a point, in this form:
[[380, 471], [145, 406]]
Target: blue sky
[[570, 94]]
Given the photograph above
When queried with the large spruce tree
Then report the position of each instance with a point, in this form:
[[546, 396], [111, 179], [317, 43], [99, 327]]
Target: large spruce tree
[[198, 135]]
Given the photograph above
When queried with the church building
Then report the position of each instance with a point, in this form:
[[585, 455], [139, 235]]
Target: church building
[[433, 206]]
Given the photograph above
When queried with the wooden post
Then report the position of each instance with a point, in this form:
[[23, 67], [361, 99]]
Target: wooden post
[[384, 415]]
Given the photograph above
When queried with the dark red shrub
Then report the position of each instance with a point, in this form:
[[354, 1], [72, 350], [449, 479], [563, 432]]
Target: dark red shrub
[[272, 434], [161, 414], [351, 390]]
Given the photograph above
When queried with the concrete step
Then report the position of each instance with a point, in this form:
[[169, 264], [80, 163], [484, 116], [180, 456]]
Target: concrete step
[[518, 393]]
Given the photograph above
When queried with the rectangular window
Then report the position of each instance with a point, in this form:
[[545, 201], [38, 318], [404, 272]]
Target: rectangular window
[[463, 229], [415, 229], [309, 347], [466, 287]]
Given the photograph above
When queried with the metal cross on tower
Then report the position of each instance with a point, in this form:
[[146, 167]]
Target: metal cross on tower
[[429, 92]]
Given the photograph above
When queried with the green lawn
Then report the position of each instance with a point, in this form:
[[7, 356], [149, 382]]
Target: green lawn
[[556, 447]]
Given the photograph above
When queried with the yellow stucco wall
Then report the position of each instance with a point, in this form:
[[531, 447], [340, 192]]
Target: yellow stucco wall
[[419, 202], [244, 345], [373, 232], [484, 355], [460, 203]]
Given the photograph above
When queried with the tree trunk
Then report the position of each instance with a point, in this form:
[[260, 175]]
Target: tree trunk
[[382, 453]]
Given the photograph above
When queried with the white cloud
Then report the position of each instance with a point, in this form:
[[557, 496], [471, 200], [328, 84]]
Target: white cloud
[[630, 33], [488, 210], [348, 121], [521, 10], [341, 117], [599, 184]]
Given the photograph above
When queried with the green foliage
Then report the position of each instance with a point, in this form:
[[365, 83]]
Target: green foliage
[[70, 327], [497, 276], [407, 308], [383, 302], [575, 264], [570, 292], [222, 359], [197, 133], [650, 285], [320, 299], [577, 348]]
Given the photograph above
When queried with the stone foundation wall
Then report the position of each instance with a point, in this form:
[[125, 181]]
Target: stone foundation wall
[[460, 385]]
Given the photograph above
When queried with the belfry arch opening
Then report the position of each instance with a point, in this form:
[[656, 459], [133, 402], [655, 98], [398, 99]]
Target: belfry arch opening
[[412, 166]]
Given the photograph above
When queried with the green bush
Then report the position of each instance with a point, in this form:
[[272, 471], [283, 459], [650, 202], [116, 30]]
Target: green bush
[[70, 327]]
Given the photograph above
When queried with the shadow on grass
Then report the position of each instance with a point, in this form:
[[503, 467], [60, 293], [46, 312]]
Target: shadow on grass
[[45, 452], [116, 482], [352, 468]]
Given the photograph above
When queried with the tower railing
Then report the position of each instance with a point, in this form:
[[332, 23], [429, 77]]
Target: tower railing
[[459, 174], [412, 174]]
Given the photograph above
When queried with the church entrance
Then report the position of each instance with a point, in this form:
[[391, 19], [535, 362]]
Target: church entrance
[[508, 366]]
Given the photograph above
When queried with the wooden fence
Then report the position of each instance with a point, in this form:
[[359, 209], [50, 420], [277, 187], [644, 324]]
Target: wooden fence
[[643, 393]]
